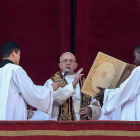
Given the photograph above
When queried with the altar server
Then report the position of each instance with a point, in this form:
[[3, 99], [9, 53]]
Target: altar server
[[17, 89], [126, 98]]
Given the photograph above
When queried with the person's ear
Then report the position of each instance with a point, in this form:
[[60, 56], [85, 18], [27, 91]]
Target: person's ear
[[76, 64], [13, 54]]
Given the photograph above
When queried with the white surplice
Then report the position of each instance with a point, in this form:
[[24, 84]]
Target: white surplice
[[126, 98], [17, 90], [112, 116], [62, 94]]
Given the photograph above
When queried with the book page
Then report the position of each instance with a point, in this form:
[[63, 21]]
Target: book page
[[105, 72]]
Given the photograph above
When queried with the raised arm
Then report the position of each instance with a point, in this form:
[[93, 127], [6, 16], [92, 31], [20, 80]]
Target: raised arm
[[115, 98], [37, 96]]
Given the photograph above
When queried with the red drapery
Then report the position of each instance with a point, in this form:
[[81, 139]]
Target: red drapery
[[70, 130], [109, 26], [46, 28], [41, 28]]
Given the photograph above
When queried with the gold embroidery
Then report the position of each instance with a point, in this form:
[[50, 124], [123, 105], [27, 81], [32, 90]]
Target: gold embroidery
[[86, 99], [57, 77], [66, 112], [70, 133]]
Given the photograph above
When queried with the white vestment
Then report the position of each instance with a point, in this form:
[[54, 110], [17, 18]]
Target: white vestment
[[17, 90], [62, 94], [126, 98], [112, 116]]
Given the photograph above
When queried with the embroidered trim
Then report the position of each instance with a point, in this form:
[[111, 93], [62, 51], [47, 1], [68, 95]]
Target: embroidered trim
[[86, 99], [66, 112]]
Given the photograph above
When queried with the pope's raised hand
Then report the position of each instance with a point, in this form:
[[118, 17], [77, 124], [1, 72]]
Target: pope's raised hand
[[78, 75]]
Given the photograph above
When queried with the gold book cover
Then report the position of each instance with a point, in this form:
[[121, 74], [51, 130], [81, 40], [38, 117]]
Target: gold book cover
[[106, 72]]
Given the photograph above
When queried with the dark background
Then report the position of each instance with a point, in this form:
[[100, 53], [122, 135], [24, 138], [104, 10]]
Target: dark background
[[45, 29]]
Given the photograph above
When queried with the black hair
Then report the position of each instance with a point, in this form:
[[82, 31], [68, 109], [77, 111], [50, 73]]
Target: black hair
[[8, 47], [137, 49]]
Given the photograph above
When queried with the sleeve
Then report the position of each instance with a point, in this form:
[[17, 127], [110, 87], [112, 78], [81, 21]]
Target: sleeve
[[37, 96], [115, 98], [96, 109], [61, 94], [103, 117]]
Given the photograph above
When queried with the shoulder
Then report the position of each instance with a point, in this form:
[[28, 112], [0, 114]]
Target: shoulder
[[48, 82], [12, 66], [136, 70], [17, 69]]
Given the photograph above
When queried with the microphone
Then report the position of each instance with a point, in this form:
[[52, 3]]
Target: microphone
[[66, 72]]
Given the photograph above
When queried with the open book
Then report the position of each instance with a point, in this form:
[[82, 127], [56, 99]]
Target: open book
[[106, 72]]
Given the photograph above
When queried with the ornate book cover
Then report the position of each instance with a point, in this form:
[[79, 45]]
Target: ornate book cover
[[106, 72]]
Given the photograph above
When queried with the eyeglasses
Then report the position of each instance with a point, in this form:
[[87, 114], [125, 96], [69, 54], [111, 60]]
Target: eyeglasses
[[66, 60]]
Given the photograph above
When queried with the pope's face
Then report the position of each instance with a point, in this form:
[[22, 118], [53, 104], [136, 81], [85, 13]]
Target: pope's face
[[68, 62], [137, 58]]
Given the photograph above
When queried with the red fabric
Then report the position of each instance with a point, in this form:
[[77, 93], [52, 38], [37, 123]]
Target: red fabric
[[69, 138], [45, 28], [70, 126], [109, 26], [41, 28]]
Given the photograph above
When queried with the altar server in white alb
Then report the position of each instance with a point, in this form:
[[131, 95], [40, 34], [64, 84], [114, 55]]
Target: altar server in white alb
[[17, 89], [69, 103], [126, 98]]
